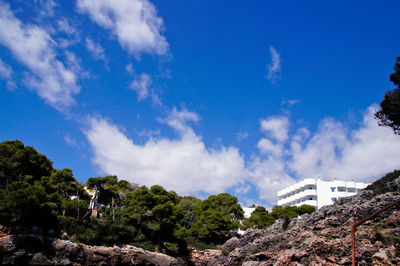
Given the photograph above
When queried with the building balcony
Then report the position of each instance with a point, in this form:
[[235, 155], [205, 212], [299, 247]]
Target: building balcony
[[310, 202], [309, 192], [351, 184]]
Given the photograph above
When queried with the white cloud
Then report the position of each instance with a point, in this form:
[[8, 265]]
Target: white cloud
[[95, 49], [64, 26], [179, 120], [362, 154], [243, 189], [134, 22], [242, 135], [187, 166], [142, 86], [276, 126], [290, 102], [184, 165], [269, 175], [129, 68], [266, 146], [6, 73], [34, 48], [70, 141], [48, 8], [333, 151], [5, 70], [274, 68]]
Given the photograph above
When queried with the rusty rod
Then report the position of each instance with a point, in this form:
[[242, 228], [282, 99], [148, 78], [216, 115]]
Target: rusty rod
[[353, 229]]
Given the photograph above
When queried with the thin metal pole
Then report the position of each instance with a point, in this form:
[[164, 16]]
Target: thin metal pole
[[353, 229]]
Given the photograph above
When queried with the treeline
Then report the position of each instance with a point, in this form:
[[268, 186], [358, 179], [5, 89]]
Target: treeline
[[36, 197]]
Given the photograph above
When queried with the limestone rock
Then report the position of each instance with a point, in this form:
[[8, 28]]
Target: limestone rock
[[38, 250]]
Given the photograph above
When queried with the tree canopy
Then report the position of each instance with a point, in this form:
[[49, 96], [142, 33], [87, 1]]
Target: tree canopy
[[389, 114], [18, 161]]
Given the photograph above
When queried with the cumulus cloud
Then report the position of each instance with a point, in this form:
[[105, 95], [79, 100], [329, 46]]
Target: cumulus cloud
[[184, 165], [361, 154], [276, 126], [134, 22], [266, 146], [179, 120], [269, 175], [274, 68], [34, 48]]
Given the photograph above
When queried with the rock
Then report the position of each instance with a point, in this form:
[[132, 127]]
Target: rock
[[323, 238], [38, 250], [230, 245]]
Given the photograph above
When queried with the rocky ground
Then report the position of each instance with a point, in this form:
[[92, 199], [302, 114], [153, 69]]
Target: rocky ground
[[323, 238], [37, 250]]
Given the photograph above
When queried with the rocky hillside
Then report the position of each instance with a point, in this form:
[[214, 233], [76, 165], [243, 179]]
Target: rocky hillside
[[322, 238]]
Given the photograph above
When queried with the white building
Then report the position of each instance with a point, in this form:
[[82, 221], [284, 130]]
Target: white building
[[248, 211], [318, 193]]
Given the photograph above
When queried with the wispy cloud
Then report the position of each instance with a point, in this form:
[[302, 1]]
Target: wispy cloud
[[290, 102], [95, 49], [6, 73], [5, 70], [70, 141], [134, 22], [274, 68], [242, 135], [142, 84], [47, 7], [34, 48], [64, 26]]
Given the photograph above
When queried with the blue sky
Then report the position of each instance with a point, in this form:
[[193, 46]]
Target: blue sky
[[201, 97]]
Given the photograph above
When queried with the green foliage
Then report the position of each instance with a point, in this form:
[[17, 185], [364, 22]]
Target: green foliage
[[389, 115], [218, 216], [303, 209], [259, 218], [23, 204], [381, 185], [18, 161]]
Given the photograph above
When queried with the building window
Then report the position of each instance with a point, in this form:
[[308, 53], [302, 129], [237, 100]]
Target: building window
[[333, 189], [341, 189], [352, 190], [334, 199]]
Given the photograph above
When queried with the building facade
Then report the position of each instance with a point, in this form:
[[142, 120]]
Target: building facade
[[318, 193]]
